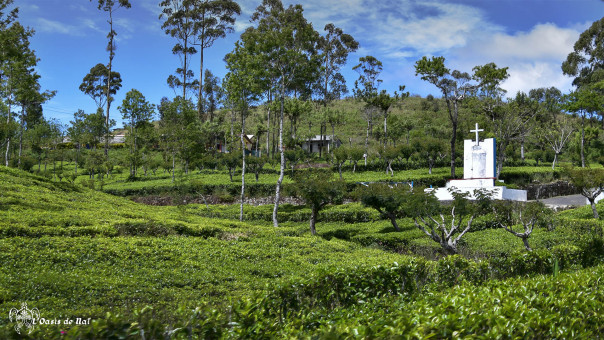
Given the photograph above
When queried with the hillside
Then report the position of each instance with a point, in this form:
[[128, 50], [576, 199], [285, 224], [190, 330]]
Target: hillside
[[73, 252], [67, 249]]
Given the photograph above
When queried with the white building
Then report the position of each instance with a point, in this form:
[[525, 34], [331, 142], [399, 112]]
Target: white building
[[316, 143]]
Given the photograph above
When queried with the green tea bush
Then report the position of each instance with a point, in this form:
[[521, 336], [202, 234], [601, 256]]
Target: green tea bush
[[347, 213]]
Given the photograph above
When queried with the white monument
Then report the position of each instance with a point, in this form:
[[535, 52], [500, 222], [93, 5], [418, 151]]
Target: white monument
[[479, 167]]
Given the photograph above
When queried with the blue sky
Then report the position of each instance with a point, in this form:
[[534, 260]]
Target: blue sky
[[531, 37]]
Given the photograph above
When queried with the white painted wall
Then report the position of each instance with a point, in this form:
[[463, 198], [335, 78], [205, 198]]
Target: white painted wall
[[479, 160]]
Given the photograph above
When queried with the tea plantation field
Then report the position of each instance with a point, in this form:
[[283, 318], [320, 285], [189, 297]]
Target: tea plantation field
[[193, 271]]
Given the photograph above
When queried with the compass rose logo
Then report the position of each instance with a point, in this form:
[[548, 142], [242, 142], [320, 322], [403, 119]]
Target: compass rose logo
[[24, 317]]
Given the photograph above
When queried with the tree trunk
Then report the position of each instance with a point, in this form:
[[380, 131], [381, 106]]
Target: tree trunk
[[313, 219], [555, 158], [21, 135], [333, 136], [200, 99], [393, 221], [526, 244], [385, 127], [268, 128], [449, 248], [242, 166], [583, 140], [282, 167], [500, 159], [453, 139], [232, 132], [522, 148], [592, 202], [111, 53], [321, 141], [131, 149], [173, 166], [8, 120], [366, 143], [371, 123]]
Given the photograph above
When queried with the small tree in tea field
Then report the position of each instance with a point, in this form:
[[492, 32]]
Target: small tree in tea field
[[339, 157], [444, 223], [590, 182], [355, 154], [387, 200], [231, 161], [317, 189], [528, 215]]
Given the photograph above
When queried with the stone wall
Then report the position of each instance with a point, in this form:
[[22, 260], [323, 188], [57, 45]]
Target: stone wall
[[542, 191]]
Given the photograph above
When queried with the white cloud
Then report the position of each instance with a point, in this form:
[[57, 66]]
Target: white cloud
[[241, 26], [531, 75], [151, 6], [50, 26], [90, 24], [30, 7], [544, 41], [534, 57], [452, 26], [400, 28]]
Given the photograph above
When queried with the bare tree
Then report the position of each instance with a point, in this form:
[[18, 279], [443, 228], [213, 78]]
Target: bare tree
[[557, 136], [445, 230], [590, 182], [508, 214]]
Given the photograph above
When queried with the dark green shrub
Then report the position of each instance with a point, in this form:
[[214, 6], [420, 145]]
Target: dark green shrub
[[145, 228]]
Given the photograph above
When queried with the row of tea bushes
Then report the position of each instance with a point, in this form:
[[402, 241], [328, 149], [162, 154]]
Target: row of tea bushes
[[347, 213], [451, 298], [568, 306]]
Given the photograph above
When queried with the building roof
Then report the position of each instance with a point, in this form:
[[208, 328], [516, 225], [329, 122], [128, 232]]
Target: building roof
[[317, 138]]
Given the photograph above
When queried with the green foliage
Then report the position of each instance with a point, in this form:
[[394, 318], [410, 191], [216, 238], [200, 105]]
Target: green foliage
[[316, 188], [590, 182], [84, 253], [385, 199], [95, 83]]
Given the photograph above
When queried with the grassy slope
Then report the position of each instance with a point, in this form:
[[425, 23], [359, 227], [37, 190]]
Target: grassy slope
[[66, 249], [73, 252]]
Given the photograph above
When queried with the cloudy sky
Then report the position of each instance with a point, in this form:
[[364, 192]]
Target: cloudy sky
[[531, 37]]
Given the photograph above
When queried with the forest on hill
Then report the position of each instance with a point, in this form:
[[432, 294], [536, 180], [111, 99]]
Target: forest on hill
[[284, 86]]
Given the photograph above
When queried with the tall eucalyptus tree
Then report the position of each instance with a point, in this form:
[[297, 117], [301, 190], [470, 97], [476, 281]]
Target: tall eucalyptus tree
[[180, 24], [212, 19], [110, 6], [286, 44], [136, 109], [17, 63], [95, 83], [243, 90], [366, 90], [334, 48], [455, 87]]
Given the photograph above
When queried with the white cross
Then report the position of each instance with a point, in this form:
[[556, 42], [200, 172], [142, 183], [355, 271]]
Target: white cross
[[477, 131]]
